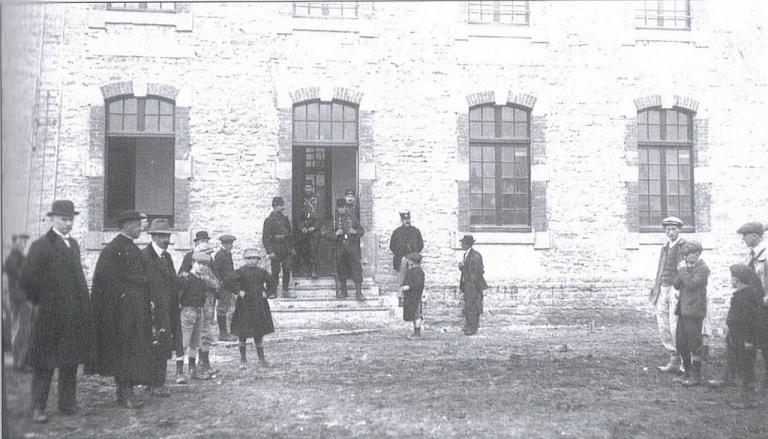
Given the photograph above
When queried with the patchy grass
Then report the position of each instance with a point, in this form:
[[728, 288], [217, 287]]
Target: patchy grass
[[509, 381]]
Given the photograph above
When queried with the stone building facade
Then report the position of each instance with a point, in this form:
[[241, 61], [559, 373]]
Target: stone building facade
[[557, 133]]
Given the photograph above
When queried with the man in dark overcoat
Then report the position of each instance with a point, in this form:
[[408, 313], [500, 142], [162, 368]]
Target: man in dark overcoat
[[309, 230], [21, 308], [164, 286], [122, 306], [405, 240], [472, 284], [223, 266], [62, 329], [348, 234], [277, 238]]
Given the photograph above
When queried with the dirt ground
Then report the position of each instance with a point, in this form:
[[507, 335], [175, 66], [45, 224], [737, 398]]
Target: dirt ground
[[509, 381]]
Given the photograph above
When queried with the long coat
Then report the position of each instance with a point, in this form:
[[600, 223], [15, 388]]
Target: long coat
[[164, 286], [277, 235], [404, 240], [252, 317], [472, 282], [52, 276], [692, 284], [121, 304]]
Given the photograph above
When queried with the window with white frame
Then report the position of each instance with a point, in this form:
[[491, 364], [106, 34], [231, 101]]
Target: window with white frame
[[664, 14], [326, 9], [143, 6], [498, 12]]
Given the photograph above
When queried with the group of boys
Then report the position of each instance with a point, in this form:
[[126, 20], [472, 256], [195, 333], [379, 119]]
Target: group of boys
[[680, 297]]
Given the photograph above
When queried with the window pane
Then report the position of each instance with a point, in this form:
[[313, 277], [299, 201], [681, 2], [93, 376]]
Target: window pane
[[312, 130], [489, 153], [671, 117], [521, 116], [672, 132], [642, 132], [325, 111], [507, 114], [338, 112], [300, 130], [300, 112], [489, 129], [151, 123], [475, 170], [654, 172], [654, 187], [475, 130], [489, 186], [684, 173], [521, 130], [475, 153], [682, 118], [685, 188], [338, 131], [325, 129], [654, 117], [489, 170], [476, 217], [507, 170], [475, 114], [507, 186], [507, 154], [116, 106], [475, 185], [654, 157], [521, 186], [489, 201], [672, 188], [151, 106], [130, 122], [671, 156], [130, 106], [488, 114], [350, 131], [521, 217], [508, 217], [642, 117], [520, 202], [489, 218], [643, 187], [521, 170], [350, 114], [671, 172], [654, 132], [643, 172], [116, 123], [166, 107], [476, 201], [313, 111], [507, 130], [655, 203]]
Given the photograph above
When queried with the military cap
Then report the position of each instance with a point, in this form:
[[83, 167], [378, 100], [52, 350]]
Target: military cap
[[129, 215], [468, 238], [277, 201], [349, 192], [159, 226], [63, 208], [227, 238], [202, 236], [691, 247], [251, 253], [414, 257], [752, 227], [672, 221], [405, 214], [198, 256], [741, 272]]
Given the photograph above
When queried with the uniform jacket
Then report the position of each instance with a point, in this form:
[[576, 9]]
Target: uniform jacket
[[164, 286], [121, 304], [742, 316], [222, 264], [346, 222], [52, 276], [472, 278], [692, 284], [277, 235], [404, 240], [309, 215], [664, 262]]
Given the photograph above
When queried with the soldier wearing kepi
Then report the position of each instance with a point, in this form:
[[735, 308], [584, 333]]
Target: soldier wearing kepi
[[309, 230], [121, 304], [405, 239], [164, 286], [21, 308], [253, 318], [223, 267], [663, 294], [348, 234], [62, 332], [278, 243]]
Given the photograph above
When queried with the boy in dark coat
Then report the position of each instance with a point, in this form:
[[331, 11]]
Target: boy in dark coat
[[62, 332], [198, 293], [691, 281], [413, 289], [252, 317], [277, 237]]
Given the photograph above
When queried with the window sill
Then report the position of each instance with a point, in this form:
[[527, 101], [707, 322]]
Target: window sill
[[98, 18], [645, 35], [476, 30], [364, 27], [539, 240], [637, 240]]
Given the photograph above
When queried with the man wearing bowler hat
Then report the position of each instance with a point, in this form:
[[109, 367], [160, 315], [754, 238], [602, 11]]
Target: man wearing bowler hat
[[21, 308], [122, 305], [309, 230], [277, 238], [472, 284], [164, 286], [223, 266], [405, 239], [348, 234], [201, 243], [62, 329]]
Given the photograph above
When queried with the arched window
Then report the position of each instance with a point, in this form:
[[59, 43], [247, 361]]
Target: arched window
[[665, 146], [139, 162], [499, 160]]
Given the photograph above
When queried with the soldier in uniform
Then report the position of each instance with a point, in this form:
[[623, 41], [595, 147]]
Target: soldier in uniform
[[309, 230], [21, 308], [121, 304], [164, 286], [223, 267], [348, 234], [405, 240], [278, 243]]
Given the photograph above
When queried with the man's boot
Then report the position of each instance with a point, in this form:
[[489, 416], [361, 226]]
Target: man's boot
[[359, 291], [243, 359], [193, 375], [695, 378], [262, 359], [205, 366], [224, 335], [180, 378], [344, 293], [674, 365]]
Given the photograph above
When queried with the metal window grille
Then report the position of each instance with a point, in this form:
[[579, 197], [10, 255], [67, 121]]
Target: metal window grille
[[326, 9], [664, 14], [499, 160], [498, 12], [665, 146]]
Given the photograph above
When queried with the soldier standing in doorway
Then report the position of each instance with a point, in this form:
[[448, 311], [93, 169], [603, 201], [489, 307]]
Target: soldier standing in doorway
[[309, 230], [348, 234], [278, 243], [405, 239]]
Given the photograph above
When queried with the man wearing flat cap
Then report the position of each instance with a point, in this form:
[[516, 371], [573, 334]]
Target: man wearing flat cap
[[405, 239], [472, 284], [663, 294], [21, 308], [277, 238], [201, 244], [122, 306], [308, 227], [164, 286], [348, 233], [223, 266], [757, 260], [62, 329]]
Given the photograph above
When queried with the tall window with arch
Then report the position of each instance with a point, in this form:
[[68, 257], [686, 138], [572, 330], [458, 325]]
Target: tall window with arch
[[500, 165], [665, 147], [139, 159]]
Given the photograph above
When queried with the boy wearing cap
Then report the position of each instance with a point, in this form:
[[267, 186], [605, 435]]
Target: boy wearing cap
[[277, 238], [197, 295], [201, 243], [309, 230], [252, 317], [223, 267], [21, 308], [413, 289], [405, 239], [757, 260], [691, 282]]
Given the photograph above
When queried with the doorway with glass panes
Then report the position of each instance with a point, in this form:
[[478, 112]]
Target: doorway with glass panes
[[325, 150]]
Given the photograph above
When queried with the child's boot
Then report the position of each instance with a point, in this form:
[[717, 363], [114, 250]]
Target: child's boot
[[243, 359], [695, 378], [262, 359], [180, 378]]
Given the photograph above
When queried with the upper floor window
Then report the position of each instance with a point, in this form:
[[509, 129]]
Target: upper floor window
[[666, 14], [665, 145], [326, 9], [143, 6], [317, 121], [498, 12], [148, 115], [499, 161]]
